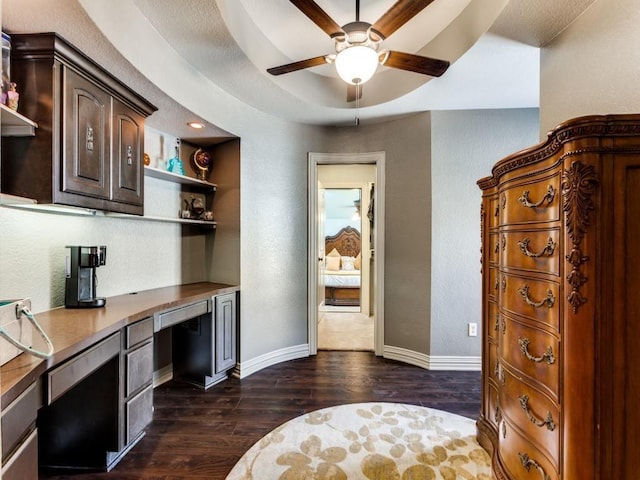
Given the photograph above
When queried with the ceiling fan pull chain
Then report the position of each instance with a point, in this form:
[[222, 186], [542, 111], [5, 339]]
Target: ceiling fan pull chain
[[358, 87]]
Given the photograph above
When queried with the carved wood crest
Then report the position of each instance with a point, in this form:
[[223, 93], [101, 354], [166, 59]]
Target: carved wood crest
[[578, 185]]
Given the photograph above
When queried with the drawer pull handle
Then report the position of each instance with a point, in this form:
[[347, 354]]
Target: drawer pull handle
[[548, 422], [547, 250], [549, 300], [527, 463], [548, 197], [546, 356]]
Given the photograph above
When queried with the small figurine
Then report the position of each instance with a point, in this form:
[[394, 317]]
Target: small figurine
[[12, 97], [175, 164]]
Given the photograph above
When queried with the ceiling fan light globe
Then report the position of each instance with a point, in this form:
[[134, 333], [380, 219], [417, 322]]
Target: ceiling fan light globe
[[356, 64]]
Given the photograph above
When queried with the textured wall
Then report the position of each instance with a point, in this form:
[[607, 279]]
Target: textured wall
[[593, 66], [407, 146], [465, 146]]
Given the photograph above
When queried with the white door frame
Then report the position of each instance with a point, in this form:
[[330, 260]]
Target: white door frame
[[315, 159]]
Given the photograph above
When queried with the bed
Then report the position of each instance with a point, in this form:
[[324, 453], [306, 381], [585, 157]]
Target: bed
[[342, 268]]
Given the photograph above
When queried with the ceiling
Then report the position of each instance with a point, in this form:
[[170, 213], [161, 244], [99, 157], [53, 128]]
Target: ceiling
[[493, 47]]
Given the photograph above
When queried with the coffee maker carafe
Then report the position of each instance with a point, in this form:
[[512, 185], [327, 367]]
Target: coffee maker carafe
[[81, 279]]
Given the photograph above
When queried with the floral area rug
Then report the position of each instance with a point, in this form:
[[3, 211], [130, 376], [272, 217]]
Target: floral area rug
[[368, 441]]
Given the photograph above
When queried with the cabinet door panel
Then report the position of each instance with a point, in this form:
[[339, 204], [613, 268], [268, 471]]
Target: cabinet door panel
[[86, 152], [128, 144], [225, 332]]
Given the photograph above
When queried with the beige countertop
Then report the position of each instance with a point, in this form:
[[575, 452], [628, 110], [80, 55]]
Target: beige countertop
[[73, 330]]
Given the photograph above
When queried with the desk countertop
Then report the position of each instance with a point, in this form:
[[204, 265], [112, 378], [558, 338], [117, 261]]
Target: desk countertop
[[73, 330]]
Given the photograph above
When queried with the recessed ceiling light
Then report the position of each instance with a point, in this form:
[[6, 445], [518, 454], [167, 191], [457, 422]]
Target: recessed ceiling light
[[197, 125]]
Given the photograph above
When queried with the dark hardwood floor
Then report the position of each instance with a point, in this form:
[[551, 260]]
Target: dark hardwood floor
[[201, 435]]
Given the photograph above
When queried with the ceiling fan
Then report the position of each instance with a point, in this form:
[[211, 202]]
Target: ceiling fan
[[357, 45]]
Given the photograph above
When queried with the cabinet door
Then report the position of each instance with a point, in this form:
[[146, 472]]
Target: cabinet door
[[225, 318], [86, 151], [128, 140]]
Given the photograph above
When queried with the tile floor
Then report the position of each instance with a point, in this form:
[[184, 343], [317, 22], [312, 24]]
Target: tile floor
[[344, 328]]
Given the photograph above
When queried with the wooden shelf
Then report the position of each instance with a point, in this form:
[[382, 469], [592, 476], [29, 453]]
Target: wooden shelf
[[183, 179], [15, 124]]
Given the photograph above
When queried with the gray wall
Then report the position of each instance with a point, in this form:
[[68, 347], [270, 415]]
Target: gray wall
[[465, 146], [407, 146]]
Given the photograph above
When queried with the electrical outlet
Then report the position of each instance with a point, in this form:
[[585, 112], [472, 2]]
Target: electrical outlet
[[472, 329]]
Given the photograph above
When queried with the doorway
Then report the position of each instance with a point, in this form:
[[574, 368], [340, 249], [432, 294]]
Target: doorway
[[346, 212]]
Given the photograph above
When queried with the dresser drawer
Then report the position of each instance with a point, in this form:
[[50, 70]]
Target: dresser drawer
[[493, 321], [494, 283], [534, 250], [494, 248], [537, 200], [535, 299], [535, 413], [493, 214], [521, 458], [533, 352]]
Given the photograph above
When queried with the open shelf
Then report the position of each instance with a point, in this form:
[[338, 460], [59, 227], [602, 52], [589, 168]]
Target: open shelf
[[174, 177], [183, 221], [15, 124]]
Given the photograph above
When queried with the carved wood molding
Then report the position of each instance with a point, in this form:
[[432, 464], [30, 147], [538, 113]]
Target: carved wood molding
[[578, 185], [591, 126]]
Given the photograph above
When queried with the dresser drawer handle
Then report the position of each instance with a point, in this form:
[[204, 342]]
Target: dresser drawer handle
[[546, 356], [549, 300], [547, 250], [548, 422], [548, 197], [527, 463]]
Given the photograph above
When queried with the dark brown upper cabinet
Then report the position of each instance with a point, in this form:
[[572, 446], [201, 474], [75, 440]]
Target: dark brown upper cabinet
[[88, 148]]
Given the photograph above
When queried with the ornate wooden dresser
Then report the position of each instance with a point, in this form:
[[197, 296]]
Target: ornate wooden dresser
[[561, 305]]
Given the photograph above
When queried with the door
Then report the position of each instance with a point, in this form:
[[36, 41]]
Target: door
[[128, 142], [86, 151], [377, 278]]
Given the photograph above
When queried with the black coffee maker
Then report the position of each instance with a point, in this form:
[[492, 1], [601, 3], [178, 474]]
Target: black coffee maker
[[81, 264]]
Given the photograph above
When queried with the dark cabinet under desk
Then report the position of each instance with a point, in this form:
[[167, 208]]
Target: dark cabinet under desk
[[204, 348]]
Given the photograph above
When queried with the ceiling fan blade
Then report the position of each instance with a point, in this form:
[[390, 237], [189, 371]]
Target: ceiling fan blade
[[400, 13], [292, 67], [415, 63], [354, 92], [319, 17]]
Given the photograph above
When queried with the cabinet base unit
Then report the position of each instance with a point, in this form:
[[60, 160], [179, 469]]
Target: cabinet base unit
[[560, 281], [80, 428], [194, 352], [204, 348]]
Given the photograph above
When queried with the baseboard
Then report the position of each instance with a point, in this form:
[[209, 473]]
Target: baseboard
[[163, 375], [244, 369], [430, 362]]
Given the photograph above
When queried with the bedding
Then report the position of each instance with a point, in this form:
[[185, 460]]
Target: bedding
[[342, 268]]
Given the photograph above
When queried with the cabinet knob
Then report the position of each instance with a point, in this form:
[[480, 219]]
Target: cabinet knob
[[129, 155]]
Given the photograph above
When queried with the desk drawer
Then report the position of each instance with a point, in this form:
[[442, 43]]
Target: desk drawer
[[139, 411], [61, 379], [17, 419], [139, 364], [139, 332], [23, 464], [172, 317]]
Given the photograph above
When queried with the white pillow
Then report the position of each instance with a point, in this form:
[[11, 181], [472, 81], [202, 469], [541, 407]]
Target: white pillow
[[348, 263]]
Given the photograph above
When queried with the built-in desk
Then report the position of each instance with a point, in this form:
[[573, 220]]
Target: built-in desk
[[95, 349]]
